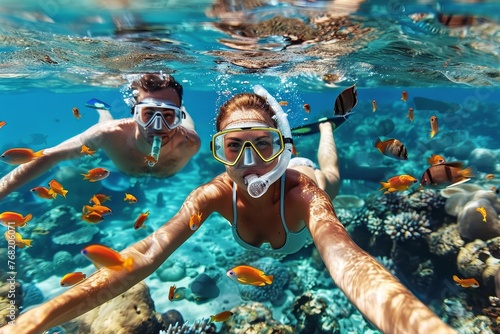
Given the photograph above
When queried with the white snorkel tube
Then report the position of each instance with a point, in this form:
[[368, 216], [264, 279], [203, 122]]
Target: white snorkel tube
[[257, 186]]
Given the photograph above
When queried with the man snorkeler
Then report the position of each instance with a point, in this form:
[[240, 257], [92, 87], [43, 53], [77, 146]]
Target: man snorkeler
[[158, 140]]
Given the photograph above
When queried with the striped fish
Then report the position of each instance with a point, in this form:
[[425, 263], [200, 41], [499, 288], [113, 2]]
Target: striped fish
[[446, 174], [346, 101]]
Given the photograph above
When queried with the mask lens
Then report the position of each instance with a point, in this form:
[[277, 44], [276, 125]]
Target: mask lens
[[147, 114], [228, 146]]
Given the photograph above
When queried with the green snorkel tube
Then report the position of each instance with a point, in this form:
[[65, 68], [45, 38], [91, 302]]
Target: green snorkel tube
[[155, 151]]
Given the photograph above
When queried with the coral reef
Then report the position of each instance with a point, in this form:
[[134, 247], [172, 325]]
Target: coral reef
[[254, 318], [407, 225], [313, 315], [132, 312], [273, 292], [483, 159], [31, 295], [446, 241], [471, 223], [171, 271], [205, 287], [9, 307]]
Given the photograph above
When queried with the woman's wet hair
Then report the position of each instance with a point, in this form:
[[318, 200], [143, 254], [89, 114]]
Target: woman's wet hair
[[244, 101], [151, 82]]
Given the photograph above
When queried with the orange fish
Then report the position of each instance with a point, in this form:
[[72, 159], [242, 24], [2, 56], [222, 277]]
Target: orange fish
[[18, 239], [398, 183], [92, 217], [392, 148], [466, 282], [307, 108], [249, 275], [102, 198], [87, 150], [434, 126], [72, 278], [140, 220], [57, 188], [43, 192], [96, 174], [17, 156], [410, 114], [103, 256], [194, 221], [14, 219], [435, 159], [94, 200], [171, 293], [374, 105], [404, 96], [2, 123], [150, 158], [482, 211], [76, 113], [283, 103], [100, 209], [220, 317], [489, 176], [130, 198]]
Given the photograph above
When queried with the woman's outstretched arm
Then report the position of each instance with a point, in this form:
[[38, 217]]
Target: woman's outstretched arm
[[377, 294], [105, 284]]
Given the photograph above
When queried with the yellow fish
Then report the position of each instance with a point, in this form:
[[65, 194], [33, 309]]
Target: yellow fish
[[86, 150], [482, 211], [18, 239], [130, 198]]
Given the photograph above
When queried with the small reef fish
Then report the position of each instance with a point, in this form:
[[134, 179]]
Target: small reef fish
[[150, 158], [57, 188], [130, 198], [411, 114], [194, 221], [466, 282], [86, 150], [103, 256], [96, 174], [14, 219], [102, 198], [283, 103], [489, 176], [404, 96], [446, 174], [72, 278], [2, 123], [140, 220], [482, 211], [76, 113], [18, 156], [94, 200], [43, 192], [100, 209], [374, 105], [220, 317], [39, 230], [346, 101], [434, 126], [249, 275], [392, 148], [307, 108], [435, 159], [398, 183], [18, 239], [171, 293], [92, 217]]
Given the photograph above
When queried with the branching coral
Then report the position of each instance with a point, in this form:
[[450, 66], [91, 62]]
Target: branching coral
[[407, 225]]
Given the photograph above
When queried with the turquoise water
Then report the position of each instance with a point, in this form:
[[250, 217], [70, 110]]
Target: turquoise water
[[56, 55]]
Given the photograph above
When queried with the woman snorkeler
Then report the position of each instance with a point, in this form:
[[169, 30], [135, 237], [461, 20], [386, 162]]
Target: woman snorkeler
[[254, 143]]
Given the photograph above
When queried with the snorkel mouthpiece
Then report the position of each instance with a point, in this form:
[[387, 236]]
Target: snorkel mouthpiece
[[155, 150], [257, 186]]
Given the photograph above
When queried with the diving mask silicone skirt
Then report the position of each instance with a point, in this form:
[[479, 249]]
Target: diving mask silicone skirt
[[155, 113], [228, 146]]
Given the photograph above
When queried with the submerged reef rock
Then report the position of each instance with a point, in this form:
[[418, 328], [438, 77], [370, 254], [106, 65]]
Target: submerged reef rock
[[205, 287], [407, 225], [132, 312], [272, 292], [446, 241], [458, 199], [471, 223], [313, 315], [483, 159], [171, 271], [254, 318], [462, 150], [348, 202], [171, 318], [31, 295], [480, 260], [8, 311]]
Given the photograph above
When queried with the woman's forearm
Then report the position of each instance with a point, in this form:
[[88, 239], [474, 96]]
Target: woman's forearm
[[372, 289]]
